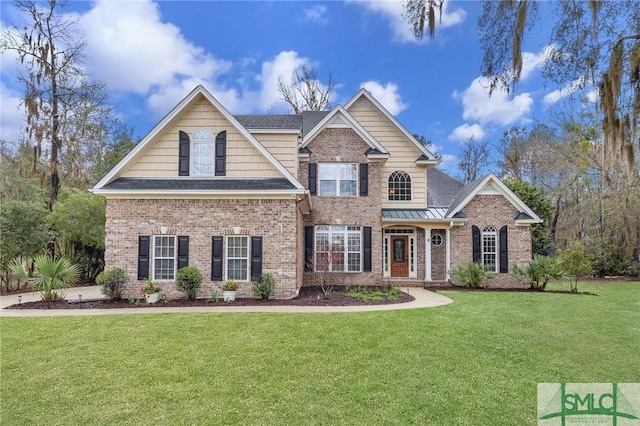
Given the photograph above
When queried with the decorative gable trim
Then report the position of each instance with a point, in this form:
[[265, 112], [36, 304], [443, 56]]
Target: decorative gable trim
[[364, 96], [491, 185], [340, 114], [140, 148]]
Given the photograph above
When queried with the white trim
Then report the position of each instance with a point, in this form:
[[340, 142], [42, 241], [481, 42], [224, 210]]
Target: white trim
[[412, 241], [273, 131], [225, 252], [505, 191], [364, 93], [447, 241], [427, 253], [133, 155], [153, 258], [350, 122]]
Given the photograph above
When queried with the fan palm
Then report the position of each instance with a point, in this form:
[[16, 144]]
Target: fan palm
[[49, 275]]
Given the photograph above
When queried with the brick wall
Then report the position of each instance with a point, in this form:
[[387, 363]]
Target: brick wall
[[200, 219], [345, 146], [496, 211]]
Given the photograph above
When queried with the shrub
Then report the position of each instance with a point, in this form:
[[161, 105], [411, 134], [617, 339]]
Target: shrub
[[576, 263], [471, 274], [540, 271], [112, 282], [50, 275], [189, 280], [264, 286]]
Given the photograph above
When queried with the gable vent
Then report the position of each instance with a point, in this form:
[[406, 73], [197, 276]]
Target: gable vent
[[489, 189], [363, 103], [338, 121]]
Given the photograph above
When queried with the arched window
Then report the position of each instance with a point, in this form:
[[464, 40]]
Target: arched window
[[202, 153], [399, 186], [489, 248]]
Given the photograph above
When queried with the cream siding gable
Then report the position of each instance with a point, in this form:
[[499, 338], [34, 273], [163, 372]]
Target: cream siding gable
[[161, 157], [403, 153], [283, 146]]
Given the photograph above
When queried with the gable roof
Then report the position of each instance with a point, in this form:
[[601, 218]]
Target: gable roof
[[469, 191], [441, 188], [139, 149], [280, 122], [363, 93], [340, 113]]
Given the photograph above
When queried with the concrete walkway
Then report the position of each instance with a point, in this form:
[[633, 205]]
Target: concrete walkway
[[423, 299]]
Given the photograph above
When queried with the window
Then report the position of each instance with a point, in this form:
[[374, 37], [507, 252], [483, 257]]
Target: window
[[338, 248], [164, 257], [238, 258], [399, 186], [489, 238], [338, 179], [436, 240], [202, 153]]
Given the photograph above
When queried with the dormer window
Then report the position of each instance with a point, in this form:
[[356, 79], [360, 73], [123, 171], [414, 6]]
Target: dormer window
[[202, 153], [399, 186]]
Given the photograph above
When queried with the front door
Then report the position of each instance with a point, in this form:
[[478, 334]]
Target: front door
[[399, 256]]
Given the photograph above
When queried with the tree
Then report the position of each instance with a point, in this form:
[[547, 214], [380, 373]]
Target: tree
[[473, 159], [304, 92], [79, 220], [49, 49], [535, 199], [592, 45]]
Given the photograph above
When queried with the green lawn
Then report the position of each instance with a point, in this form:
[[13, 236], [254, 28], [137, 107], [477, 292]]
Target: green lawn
[[476, 361]]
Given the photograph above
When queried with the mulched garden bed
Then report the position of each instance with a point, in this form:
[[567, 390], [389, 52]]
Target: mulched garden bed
[[309, 296]]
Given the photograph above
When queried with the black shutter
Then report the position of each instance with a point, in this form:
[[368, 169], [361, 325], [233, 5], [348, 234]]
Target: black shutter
[[313, 178], [216, 258], [504, 251], [143, 257], [475, 237], [308, 248], [364, 179], [221, 153], [256, 258], [183, 251], [183, 154], [367, 249]]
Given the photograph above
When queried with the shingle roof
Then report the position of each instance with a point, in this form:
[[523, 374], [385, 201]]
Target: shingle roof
[[291, 121], [310, 119], [441, 188], [224, 184], [464, 193]]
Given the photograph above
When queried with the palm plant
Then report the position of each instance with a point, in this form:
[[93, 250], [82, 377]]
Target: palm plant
[[540, 271], [49, 275]]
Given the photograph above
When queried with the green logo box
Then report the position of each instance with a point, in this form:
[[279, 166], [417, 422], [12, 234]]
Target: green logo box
[[590, 404]]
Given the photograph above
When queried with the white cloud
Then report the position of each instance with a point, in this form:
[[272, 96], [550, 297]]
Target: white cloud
[[284, 64], [393, 10], [316, 14], [466, 131], [132, 50], [499, 108], [572, 87], [533, 61], [387, 95], [12, 121], [449, 163]]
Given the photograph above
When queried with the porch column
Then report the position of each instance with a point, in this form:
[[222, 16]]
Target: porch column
[[427, 253], [447, 241]]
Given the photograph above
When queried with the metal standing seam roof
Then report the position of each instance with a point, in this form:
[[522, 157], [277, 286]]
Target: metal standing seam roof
[[433, 213]]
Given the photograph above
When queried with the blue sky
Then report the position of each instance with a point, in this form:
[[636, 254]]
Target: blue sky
[[151, 54]]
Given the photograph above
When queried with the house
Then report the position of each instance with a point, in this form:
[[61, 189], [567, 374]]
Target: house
[[347, 195]]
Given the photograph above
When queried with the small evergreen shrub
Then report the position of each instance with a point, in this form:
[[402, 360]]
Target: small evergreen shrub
[[112, 282], [189, 280], [265, 285], [576, 263], [471, 274], [540, 271]]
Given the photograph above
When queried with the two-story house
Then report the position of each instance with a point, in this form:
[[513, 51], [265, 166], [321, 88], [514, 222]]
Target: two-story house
[[347, 195]]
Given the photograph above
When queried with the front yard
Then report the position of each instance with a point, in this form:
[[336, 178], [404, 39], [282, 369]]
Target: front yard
[[476, 361]]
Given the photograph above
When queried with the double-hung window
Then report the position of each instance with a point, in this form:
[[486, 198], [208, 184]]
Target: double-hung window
[[238, 258], [202, 153], [338, 248], [338, 179], [164, 257]]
